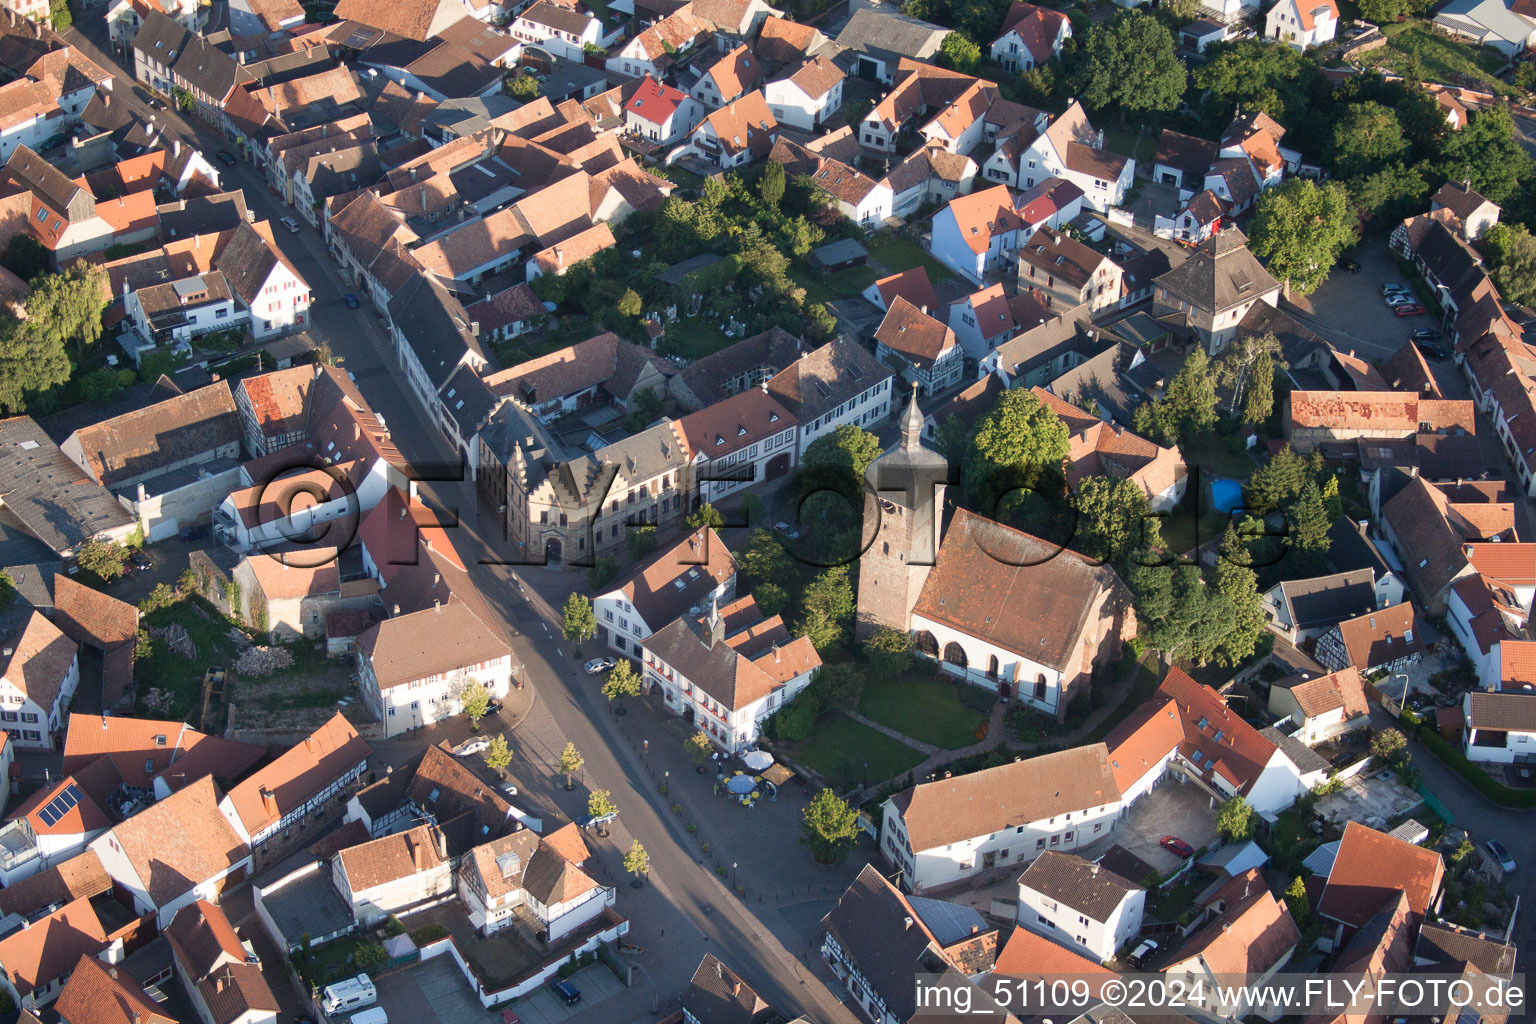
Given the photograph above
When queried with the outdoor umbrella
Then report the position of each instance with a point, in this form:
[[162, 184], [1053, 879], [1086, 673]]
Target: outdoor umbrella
[[757, 760], [741, 784]]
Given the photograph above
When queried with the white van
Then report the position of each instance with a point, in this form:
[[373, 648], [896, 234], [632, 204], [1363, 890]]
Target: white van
[[348, 995], [373, 1015]]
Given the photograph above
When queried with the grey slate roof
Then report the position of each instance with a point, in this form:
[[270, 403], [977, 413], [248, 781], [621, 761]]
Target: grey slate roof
[[826, 378], [1325, 600], [51, 496], [1447, 944], [1221, 274], [435, 326], [1079, 884], [1302, 756], [881, 32]]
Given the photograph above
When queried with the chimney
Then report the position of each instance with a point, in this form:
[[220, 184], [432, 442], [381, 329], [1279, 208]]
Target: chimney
[[268, 801], [103, 720], [309, 741], [736, 986], [442, 844], [437, 606], [974, 929], [908, 924], [437, 578], [176, 148], [397, 609]]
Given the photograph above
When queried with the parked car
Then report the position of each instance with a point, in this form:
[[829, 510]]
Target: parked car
[[1393, 288], [1500, 853], [140, 560], [349, 300], [593, 820], [226, 157], [565, 991], [1345, 263], [597, 665], [1400, 299], [156, 104], [1143, 953], [1176, 845], [1409, 310], [291, 224], [194, 532], [510, 1017], [494, 707], [472, 746], [787, 530]]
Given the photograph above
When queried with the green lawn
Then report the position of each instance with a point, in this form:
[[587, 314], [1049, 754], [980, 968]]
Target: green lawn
[[845, 284], [1143, 147], [846, 752], [1441, 59], [924, 709], [898, 254], [334, 960], [693, 337]]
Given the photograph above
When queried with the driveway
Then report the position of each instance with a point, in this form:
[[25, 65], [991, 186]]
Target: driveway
[[433, 990], [1348, 309]]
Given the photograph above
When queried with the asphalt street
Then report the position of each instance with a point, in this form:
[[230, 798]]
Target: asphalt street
[[695, 913]]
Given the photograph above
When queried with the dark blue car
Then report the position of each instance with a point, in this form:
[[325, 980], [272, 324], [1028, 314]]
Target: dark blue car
[[350, 300], [565, 991]]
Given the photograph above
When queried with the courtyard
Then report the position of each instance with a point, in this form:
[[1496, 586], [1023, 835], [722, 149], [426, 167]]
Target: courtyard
[[1180, 810], [1371, 799]]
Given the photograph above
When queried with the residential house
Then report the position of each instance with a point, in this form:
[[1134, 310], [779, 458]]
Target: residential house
[[1212, 291], [1475, 213], [63, 215], [924, 348], [563, 255], [661, 113], [734, 135], [508, 314], [978, 233], [391, 874], [1302, 610], [154, 758], [941, 832], [518, 880], [1030, 36], [837, 384], [718, 993], [877, 954], [1391, 639], [52, 825], [1326, 418], [1489, 618], [986, 319], [174, 852], [748, 363], [1071, 148], [39, 671], [957, 102], [1254, 139], [651, 51], [1202, 32], [1302, 23], [1500, 728], [305, 787], [746, 439], [413, 19], [602, 370], [784, 42], [928, 175], [1248, 933], [807, 97], [1322, 708], [1096, 448], [263, 17], [1197, 220], [1509, 28], [1432, 533], [857, 196], [1371, 871], [728, 76], [37, 960], [1079, 904], [220, 972], [562, 31], [728, 671], [433, 338], [100, 993], [169, 462], [1067, 272], [877, 42]]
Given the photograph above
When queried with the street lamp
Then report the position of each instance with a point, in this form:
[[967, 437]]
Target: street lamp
[[733, 874]]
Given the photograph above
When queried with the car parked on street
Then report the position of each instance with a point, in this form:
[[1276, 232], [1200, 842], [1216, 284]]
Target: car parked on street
[[1347, 264], [291, 224], [225, 157], [475, 745], [349, 300], [1409, 310], [1501, 855], [594, 820], [599, 665]]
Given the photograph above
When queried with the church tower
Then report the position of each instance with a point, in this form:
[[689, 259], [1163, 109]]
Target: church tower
[[905, 515]]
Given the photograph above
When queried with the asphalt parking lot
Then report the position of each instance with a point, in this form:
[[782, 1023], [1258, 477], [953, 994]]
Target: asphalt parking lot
[[1348, 308], [435, 990]]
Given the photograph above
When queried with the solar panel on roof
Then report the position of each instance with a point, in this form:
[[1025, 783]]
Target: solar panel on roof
[[60, 805]]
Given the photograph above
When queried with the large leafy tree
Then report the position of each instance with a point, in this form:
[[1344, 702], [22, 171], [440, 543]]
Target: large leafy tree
[[103, 559], [1259, 402], [829, 826], [1188, 405], [1114, 519], [32, 360], [1243, 605], [1301, 228], [1388, 193], [1130, 64], [1238, 368], [1512, 254], [959, 53], [1487, 154], [1254, 74], [1019, 432], [849, 448], [579, 622], [827, 605], [1365, 137], [767, 570]]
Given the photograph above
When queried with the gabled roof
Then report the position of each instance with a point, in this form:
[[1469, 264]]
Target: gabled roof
[[179, 842], [752, 657], [982, 214], [967, 806], [1062, 256], [1187, 153], [912, 285], [1324, 600], [915, 335], [1030, 955], [99, 993], [1079, 884], [76, 814], [49, 949], [1140, 743], [742, 124], [37, 661], [718, 995], [1037, 27], [1216, 739], [654, 102], [1380, 637], [1369, 872], [160, 436], [392, 858], [1221, 273], [734, 73], [446, 789], [1460, 198], [826, 377], [1036, 602], [305, 769], [80, 877], [1250, 937], [1501, 712], [676, 578], [1338, 691], [203, 939]]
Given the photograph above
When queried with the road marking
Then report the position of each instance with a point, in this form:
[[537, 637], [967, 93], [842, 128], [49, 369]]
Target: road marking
[[559, 652], [545, 625]]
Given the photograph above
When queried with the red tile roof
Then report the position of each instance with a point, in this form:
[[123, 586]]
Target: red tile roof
[[1510, 564], [99, 993], [84, 817], [1371, 868], [50, 948], [284, 786], [912, 285], [143, 749], [1031, 956], [179, 842], [654, 102], [917, 336], [1225, 744], [1380, 637], [1141, 742], [984, 213]]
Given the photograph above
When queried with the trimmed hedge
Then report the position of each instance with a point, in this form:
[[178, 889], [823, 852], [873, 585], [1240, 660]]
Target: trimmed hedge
[[1454, 759]]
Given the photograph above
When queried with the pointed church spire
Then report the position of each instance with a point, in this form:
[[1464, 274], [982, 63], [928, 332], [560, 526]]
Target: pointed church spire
[[912, 423], [715, 625]]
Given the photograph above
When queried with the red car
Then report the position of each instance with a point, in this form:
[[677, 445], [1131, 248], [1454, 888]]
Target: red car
[[1409, 311], [1178, 846]]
